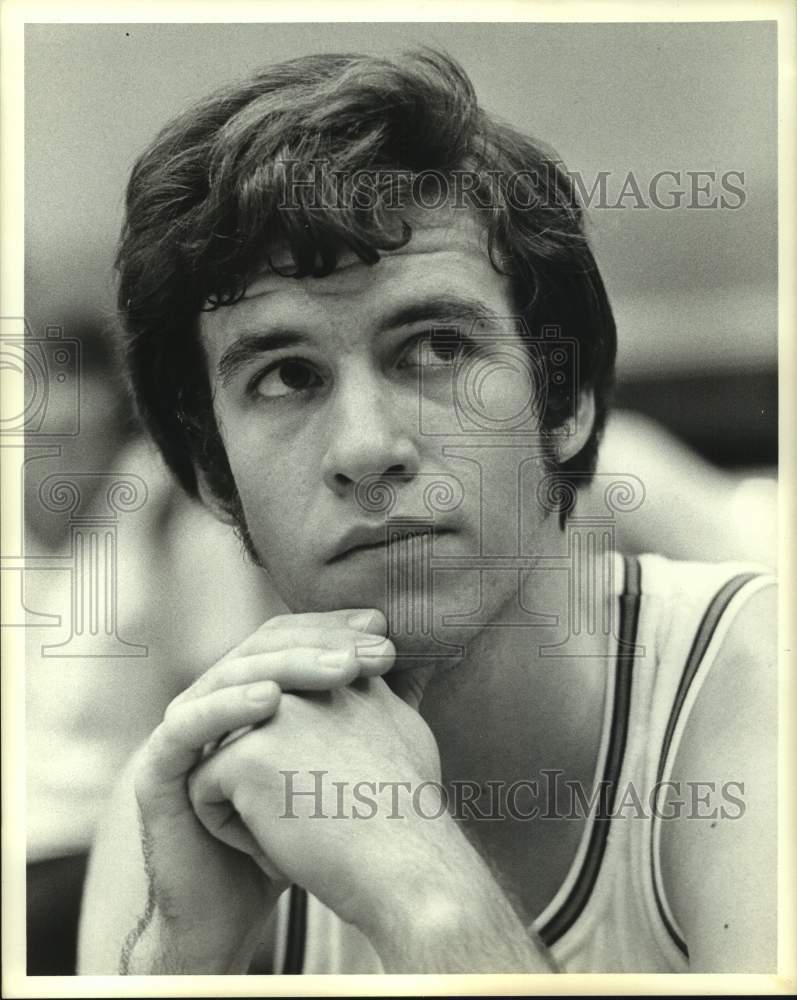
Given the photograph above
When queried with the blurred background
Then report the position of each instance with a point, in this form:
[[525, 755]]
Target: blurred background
[[693, 288]]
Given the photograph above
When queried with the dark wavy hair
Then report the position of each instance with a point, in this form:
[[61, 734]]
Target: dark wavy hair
[[237, 176]]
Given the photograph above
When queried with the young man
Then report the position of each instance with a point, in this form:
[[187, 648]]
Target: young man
[[366, 328]]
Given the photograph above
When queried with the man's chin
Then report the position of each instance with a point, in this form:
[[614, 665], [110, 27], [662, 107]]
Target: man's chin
[[415, 619]]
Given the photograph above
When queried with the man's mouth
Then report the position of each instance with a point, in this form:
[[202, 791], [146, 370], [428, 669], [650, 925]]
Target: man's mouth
[[375, 541]]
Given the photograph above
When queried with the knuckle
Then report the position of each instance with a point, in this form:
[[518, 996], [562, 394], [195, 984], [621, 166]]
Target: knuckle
[[333, 638], [266, 693], [296, 660], [226, 674], [176, 719], [343, 672], [202, 710], [270, 688], [171, 716]]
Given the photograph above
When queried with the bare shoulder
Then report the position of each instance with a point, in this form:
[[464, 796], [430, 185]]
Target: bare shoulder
[[719, 854]]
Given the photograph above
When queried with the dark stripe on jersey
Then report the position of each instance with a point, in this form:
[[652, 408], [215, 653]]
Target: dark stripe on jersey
[[572, 907], [297, 933], [703, 637]]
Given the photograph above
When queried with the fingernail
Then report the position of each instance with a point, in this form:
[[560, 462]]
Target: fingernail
[[378, 653], [338, 658], [362, 620], [262, 691]]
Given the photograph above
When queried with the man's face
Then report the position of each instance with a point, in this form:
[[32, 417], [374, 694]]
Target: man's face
[[333, 395]]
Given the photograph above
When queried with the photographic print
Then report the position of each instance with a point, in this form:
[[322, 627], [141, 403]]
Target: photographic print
[[394, 587]]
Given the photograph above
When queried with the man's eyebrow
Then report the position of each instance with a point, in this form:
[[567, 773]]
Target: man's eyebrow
[[251, 346], [445, 310], [452, 310]]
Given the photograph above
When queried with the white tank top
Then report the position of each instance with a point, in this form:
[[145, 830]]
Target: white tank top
[[610, 913]]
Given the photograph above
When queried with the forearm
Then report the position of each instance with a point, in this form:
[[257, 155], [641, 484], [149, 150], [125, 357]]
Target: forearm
[[454, 918], [155, 947]]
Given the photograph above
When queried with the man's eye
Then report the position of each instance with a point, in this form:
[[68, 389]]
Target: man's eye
[[285, 378], [437, 349]]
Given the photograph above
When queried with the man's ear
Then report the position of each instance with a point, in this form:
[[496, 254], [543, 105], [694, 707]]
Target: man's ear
[[574, 433], [212, 503]]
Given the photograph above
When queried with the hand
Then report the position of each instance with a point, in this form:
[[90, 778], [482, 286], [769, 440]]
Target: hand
[[310, 795], [211, 900]]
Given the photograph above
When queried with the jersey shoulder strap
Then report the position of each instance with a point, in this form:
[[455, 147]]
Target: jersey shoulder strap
[[705, 633], [573, 905]]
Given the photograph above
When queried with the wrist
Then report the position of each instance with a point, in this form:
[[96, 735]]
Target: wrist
[[448, 914], [425, 884], [160, 946]]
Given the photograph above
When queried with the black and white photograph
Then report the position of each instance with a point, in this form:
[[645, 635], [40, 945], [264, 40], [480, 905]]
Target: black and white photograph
[[394, 564]]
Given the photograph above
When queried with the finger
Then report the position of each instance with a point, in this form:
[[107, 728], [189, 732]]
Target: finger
[[324, 637], [210, 748], [361, 619], [176, 744], [299, 669], [283, 632], [221, 819]]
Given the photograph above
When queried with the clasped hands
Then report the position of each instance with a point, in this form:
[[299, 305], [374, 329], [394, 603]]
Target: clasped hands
[[334, 787]]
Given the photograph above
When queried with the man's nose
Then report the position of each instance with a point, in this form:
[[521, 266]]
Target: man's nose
[[370, 434]]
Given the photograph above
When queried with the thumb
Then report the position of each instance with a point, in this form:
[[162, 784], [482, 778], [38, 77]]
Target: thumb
[[410, 685], [221, 820]]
